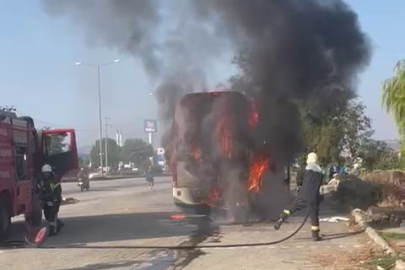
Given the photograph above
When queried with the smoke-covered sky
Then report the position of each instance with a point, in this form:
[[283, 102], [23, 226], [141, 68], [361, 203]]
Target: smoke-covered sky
[[39, 51]]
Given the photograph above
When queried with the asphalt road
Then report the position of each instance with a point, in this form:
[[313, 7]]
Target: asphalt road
[[72, 189], [121, 224]]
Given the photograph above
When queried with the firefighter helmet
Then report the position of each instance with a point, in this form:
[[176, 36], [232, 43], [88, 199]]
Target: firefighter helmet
[[312, 158], [46, 168]]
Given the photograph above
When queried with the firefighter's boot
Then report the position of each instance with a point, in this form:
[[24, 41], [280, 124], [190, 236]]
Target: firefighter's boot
[[281, 220], [59, 225], [52, 231], [315, 235]]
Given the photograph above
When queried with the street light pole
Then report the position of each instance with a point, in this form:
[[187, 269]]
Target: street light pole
[[106, 143], [100, 120], [98, 66]]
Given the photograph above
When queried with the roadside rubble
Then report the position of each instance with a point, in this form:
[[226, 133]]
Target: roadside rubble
[[69, 201], [334, 219]]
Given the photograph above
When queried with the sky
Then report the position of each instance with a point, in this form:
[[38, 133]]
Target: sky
[[39, 77]]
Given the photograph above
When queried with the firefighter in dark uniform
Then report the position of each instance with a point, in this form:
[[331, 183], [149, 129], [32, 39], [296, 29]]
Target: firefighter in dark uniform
[[51, 194], [308, 197]]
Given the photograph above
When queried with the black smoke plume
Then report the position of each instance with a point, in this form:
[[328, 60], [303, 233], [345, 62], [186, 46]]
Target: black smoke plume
[[294, 57], [291, 53]]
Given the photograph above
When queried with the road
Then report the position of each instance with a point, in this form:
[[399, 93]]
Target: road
[[109, 227]]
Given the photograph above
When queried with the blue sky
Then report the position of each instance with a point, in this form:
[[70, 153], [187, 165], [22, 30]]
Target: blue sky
[[38, 75]]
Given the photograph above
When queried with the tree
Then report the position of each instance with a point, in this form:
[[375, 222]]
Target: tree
[[137, 151], [335, 135], [378, 156], [113, 153], [394, 98]]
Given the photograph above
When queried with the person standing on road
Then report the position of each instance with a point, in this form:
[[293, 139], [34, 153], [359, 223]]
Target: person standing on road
[[309, 196], [51, 194], [149, 177]]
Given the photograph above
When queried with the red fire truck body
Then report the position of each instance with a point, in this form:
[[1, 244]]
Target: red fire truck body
[[23, 151]]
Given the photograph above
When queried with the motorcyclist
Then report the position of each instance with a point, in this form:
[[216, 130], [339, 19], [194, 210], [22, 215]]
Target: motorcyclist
[[51, 195], [83, 177]]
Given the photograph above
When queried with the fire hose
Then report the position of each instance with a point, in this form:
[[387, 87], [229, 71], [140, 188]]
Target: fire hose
[[26, 243], [190, 246]]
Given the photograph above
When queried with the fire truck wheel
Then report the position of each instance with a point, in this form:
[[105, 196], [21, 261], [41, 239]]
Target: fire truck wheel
[[5, 218]]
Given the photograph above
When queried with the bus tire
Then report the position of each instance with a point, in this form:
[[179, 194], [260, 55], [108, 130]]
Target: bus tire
[[203, 210], [5, 218]]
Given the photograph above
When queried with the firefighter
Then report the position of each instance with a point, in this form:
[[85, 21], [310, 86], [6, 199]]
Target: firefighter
[[51, 193], [308, 197]]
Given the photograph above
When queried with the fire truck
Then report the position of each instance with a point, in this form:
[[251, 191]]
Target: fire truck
[[23, 151]]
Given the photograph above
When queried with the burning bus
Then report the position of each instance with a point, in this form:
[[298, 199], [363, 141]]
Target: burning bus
[[211, 152]]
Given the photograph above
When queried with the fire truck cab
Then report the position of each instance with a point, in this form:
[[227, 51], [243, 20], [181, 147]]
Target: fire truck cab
[[23, 151]]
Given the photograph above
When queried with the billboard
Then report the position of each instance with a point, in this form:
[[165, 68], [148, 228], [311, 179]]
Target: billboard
[[150, 125]]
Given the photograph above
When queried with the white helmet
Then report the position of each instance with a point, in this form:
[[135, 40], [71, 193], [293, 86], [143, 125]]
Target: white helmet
[[46, 168], [312, 158]]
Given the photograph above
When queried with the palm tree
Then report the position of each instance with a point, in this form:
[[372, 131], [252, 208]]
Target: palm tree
[[393, 99]]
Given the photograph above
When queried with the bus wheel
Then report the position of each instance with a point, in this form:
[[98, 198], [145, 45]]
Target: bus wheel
[[5, 218], [203, 210]]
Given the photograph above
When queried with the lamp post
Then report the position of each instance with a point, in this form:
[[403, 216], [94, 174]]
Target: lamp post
[[98, 66], [106, 143]]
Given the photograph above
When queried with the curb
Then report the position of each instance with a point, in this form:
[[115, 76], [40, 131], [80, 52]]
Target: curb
[[361, 218]]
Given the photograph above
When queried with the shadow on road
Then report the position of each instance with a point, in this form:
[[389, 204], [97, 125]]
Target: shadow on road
[[105, 266], [328, 237], [148, 226], [116, 227]]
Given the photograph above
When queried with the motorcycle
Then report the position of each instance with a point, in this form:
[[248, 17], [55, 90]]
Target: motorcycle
[[84, 184]]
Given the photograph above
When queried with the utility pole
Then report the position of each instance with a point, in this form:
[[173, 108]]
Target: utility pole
[[98, 66], [106, 143], [150, 138], [101, 122]]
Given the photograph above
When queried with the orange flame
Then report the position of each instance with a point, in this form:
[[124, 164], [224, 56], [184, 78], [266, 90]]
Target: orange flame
[[257, 169]]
